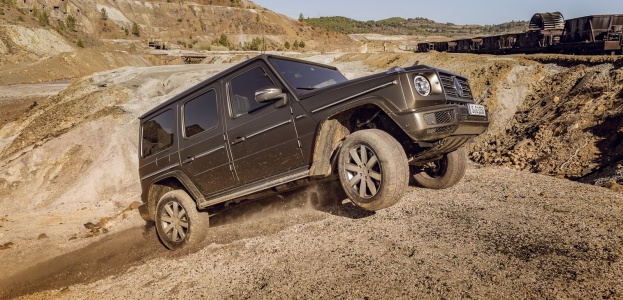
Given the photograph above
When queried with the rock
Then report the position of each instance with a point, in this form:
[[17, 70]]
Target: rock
[[135, 205], [6, 246], [90, 225], [42, 236], [613, 185]]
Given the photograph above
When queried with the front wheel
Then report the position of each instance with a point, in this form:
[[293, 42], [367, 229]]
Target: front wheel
[[178, 223], [443, 173], [373, 169]]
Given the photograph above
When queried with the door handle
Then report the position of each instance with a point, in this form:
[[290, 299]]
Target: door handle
[[238, 140], [188, 160]]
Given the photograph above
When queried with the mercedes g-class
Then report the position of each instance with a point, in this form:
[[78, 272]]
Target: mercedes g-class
[[272, 124]]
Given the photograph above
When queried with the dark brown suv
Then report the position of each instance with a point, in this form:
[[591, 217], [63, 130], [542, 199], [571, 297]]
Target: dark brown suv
[[273, 124]]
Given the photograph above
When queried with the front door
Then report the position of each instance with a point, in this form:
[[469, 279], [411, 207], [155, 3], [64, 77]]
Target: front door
[[262, 137], [203, 148]]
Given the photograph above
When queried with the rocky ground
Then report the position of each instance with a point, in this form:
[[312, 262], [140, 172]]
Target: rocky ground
[[69, 180]]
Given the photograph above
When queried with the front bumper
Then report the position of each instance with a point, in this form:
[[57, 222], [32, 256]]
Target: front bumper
[[442, 121]]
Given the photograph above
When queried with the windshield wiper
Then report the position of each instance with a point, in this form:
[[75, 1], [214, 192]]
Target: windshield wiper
[[308, 88]]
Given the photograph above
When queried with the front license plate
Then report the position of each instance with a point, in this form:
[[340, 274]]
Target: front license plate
[[476, 110]]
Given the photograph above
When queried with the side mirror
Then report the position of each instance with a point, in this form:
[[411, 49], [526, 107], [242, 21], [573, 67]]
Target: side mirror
[[271, 93]]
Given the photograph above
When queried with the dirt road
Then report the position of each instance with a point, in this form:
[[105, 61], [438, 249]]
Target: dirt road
[[498, 234]]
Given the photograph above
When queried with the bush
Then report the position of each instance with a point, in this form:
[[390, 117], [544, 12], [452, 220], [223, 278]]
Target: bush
[[44, 19], [136, 30], [223, 41], [9, 3], [70, 21], [104, 14], [80, 44]]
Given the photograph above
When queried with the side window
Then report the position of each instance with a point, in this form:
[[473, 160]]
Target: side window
[[242, 91], [158, 133], [200, 114]]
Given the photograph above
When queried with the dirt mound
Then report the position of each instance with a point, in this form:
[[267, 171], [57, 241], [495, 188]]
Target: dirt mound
[[570, 126]]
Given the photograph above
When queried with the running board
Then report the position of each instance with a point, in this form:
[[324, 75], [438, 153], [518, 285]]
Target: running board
[[256, 187]]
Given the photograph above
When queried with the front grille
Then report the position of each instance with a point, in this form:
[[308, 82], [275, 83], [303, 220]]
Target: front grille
[[440, 117], [447, 81]]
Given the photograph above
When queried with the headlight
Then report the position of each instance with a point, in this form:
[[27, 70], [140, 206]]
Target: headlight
[[422, 86]]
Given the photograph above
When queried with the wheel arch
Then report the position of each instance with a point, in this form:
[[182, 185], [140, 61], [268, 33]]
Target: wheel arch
[[371, 113], [175, 180]]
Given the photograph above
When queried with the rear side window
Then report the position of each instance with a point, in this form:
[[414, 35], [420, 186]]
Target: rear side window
[[158, 133], [243, 87], [200, 114]]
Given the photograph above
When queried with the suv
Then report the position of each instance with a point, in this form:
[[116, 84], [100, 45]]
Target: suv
[[272, 124]]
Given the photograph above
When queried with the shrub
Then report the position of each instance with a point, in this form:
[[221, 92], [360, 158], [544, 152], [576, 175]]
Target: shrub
[[136, 30], [104, 14], [223, 40], [70, 21], [44, 19], [80, 44]]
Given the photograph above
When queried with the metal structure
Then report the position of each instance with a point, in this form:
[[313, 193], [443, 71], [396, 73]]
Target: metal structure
[[547, 33]]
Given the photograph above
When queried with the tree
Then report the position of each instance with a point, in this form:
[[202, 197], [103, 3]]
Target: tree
[[295, 46], [302, 44], [301, 17], [287, 45], [136, 30], [104, 14]]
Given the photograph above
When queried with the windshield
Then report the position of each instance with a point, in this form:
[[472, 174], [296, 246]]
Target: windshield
[[305, 77]]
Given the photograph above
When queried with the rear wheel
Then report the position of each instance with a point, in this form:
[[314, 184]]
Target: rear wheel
[[443, 173], [373, 169], [178, 223]]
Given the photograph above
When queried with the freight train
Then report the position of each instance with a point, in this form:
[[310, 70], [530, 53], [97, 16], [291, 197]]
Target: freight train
[[547, 33]]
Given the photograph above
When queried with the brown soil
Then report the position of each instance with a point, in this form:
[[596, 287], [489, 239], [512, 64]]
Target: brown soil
[[498, 233]]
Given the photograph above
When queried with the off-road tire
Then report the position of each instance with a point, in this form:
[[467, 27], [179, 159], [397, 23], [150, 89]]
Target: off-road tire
[[178, 223], [385, 169], [448, 172]]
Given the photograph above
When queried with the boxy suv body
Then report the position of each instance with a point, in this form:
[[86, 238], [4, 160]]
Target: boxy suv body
[[272, 124]]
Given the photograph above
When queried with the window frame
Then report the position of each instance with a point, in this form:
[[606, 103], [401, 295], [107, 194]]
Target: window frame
[[142, 138], [230, 92], [183, 115]]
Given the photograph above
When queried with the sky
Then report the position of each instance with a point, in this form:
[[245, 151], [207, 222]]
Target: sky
[[462, 12]]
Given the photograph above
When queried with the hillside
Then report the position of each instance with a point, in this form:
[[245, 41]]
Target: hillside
[[413, 26], [46, 40]]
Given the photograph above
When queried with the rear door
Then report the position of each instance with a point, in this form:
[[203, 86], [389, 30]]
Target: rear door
[[203, 148], [262, 137]]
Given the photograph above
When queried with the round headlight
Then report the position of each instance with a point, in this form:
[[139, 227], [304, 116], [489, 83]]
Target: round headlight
[[422, 86]]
